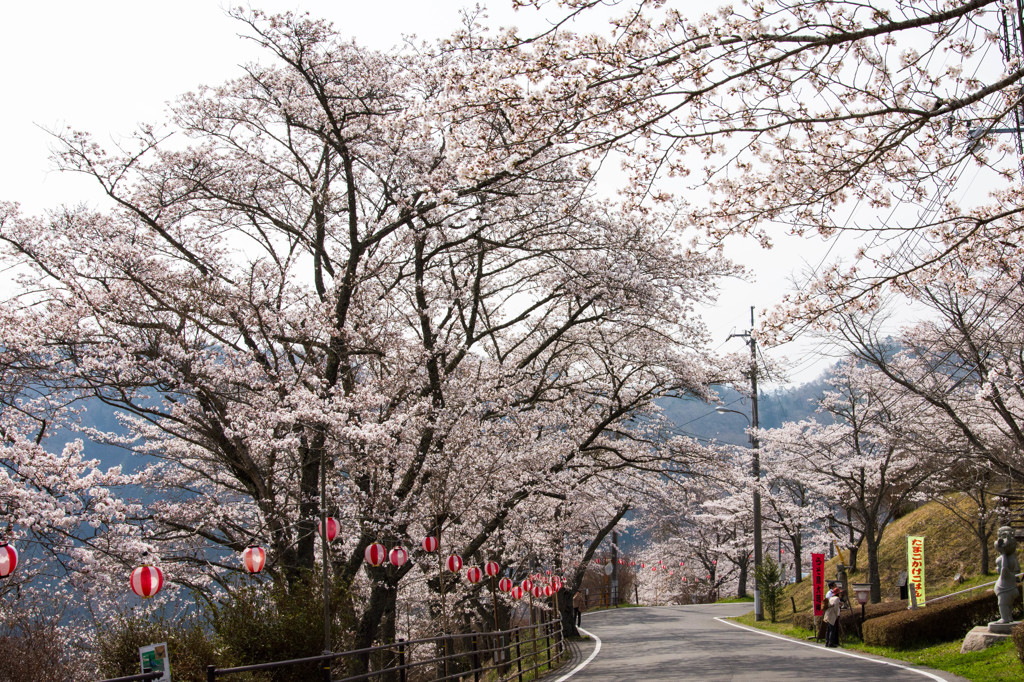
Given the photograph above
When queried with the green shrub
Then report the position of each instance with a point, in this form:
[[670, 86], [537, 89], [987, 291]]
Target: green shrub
[[189, 646], [941, 621], [769, 582], [263, 624], [1018, 640]]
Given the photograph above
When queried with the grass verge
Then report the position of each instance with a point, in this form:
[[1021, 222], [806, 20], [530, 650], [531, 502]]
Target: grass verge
[[998, 663]]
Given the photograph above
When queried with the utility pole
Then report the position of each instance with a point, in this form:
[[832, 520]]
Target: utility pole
[[615, 568], [755, 446]]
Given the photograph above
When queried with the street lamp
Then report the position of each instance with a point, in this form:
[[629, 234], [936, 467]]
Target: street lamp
[[863, 592], [755, 447]]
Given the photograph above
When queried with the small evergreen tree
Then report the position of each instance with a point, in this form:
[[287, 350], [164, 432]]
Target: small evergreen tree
[[769, 582]]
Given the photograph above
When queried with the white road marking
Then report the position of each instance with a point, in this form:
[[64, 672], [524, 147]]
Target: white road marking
[[589, 658], [831, 650]]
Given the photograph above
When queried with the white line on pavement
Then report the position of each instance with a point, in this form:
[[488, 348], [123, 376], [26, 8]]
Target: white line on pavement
[[589, 658], [831, 650]]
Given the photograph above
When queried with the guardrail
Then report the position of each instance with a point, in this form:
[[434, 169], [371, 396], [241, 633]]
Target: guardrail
[[511, 654], [969, 589]]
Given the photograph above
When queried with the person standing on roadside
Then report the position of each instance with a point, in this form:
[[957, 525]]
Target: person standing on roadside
[[835, 602], [577, 607]]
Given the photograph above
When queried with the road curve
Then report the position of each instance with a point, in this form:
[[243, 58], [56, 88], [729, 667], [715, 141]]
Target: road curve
[[687, 643]]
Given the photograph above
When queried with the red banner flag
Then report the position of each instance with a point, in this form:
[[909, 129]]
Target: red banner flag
[[818, 581]]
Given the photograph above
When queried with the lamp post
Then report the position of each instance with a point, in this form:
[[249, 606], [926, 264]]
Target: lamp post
[[863, 592], [756, 466]]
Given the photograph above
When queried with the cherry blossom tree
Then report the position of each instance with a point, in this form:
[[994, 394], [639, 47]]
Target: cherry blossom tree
[[364, 276], [842, 120], [863, 461]]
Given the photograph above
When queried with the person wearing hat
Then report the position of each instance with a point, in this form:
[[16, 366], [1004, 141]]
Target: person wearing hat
[[835, 602]]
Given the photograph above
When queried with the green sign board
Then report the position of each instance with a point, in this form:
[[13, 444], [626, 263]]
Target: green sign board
[[154, 658]]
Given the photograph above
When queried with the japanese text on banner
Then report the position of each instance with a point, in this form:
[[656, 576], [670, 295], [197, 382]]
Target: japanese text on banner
[[915, 566], [818, 581]]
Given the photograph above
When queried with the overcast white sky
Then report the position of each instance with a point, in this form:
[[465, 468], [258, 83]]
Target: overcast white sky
[[106, 66]]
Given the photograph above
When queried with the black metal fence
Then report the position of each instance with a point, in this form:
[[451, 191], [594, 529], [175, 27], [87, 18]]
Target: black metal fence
[[509, 655]]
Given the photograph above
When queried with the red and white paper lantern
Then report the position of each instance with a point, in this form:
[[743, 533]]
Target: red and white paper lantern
[[253, 558], [8, 559], [527, 584], [332, 528], [517, 592], [454, 563], [492, 569], [375, 554], [398, 556], [556, 583], [504, 584], [474, 574], [429, 544], [548, 590], [538, 591], [146, 581]]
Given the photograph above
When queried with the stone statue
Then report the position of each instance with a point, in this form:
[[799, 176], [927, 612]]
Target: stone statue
[[1008, 568]]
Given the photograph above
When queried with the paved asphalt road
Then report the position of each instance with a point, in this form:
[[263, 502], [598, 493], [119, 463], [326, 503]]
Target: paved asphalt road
[[687, 643]]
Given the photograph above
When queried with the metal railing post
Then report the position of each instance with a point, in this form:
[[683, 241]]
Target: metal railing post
[[476, 659], [211, 673], [401, 660], [519, 658]]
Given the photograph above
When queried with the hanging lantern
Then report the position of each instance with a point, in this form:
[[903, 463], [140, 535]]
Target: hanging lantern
[[8, 559], [709, 576], [548, 572], [253, 558], [643, 564], [332, 528], [714, 562], [548, 590], [654, 568], [516, 592], [632, 563], [375, 554], [504, 584], [671, 572], [429, 544], [684, 578], [682, 563], [398, 556], [492, 569], [527, 584], [538, 591], [474, 574], [556, 583], [454, 563], [146, 581]]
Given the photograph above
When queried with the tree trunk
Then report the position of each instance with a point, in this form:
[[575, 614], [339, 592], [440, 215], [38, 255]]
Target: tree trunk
[[873, 575], [741, 590], [568, 616], [378, 620], [983, 538], [798, 566]]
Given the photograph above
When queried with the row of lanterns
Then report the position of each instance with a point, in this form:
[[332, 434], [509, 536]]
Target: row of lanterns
[[147, 580]]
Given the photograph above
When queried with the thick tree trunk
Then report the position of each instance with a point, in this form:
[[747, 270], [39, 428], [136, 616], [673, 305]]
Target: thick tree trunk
[[377, 623], [568, 614], [741, 590], [873, 575]]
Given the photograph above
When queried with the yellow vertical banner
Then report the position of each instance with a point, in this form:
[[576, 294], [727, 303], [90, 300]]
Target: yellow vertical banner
[[915, 566]]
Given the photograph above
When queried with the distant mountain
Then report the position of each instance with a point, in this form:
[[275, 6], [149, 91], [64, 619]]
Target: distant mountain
[[699, 420]]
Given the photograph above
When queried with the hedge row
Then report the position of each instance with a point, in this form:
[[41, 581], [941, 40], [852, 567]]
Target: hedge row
[[937, 622], [1018, 640], [849, 621]]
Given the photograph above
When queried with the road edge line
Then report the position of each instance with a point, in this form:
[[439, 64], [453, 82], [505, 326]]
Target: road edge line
[[833, 650], [582, 665]]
